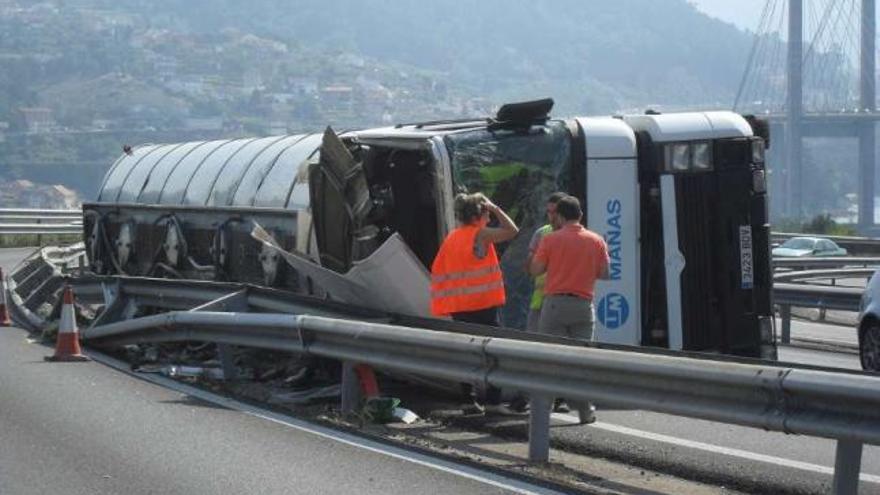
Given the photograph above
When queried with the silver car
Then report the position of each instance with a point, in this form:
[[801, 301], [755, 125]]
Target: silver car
[[808, 246], [869, 325]]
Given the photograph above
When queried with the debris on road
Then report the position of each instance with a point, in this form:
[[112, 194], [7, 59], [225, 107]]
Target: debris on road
[[405, 415]]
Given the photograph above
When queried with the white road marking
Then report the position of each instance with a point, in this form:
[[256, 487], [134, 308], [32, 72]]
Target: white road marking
[[743, 454], [451, 467]]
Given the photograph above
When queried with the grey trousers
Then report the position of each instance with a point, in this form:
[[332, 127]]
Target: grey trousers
[[567, 316], [533, 320], [572, 317]]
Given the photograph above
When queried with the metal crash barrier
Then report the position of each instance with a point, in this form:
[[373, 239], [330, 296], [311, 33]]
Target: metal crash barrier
[[15, 221], [840, 406]]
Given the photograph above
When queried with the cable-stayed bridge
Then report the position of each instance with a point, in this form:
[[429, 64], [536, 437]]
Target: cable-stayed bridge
[[812, 73]]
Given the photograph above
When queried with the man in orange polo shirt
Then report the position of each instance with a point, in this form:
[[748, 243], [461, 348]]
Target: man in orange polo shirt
[[573, 259]]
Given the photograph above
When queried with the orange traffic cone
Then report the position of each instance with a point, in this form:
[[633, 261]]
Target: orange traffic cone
[[5, 320], [67, 346]]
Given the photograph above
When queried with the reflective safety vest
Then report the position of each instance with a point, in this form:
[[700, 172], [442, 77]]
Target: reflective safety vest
[[538, 294], [460, 281]]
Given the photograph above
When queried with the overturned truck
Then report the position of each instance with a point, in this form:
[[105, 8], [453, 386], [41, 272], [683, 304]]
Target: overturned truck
[[680, 199]]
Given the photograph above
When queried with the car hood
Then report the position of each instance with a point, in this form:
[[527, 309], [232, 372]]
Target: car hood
[[781, 251]]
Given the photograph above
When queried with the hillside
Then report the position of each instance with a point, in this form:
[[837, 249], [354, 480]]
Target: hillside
[[591, 55], [83, 77]]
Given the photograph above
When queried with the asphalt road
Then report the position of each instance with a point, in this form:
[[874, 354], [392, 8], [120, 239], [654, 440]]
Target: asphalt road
[[84, 428]]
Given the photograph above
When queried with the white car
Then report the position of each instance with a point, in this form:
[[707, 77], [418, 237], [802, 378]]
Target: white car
[[808, 246], [869, 325]]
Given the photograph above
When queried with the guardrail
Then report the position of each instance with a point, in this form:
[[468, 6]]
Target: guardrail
[[832, 275], [39, 213], [790, 289], [787, 296], [40, 222], [806, 263]]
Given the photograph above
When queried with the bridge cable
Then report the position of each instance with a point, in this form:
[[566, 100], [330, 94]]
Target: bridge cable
[[751, 58]]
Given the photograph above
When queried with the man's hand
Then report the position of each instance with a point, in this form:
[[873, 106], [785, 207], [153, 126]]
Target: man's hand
[[504, 232]]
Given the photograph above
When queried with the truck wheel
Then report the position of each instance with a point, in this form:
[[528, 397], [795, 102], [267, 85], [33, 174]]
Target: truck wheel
[[869, 347]]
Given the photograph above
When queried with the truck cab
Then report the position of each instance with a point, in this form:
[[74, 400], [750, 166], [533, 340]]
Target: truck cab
[[679, 198]]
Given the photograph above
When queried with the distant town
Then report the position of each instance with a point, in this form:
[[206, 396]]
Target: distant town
[[88, 73]]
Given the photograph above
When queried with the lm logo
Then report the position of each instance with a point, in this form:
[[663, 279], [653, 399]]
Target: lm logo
[[613, 310]]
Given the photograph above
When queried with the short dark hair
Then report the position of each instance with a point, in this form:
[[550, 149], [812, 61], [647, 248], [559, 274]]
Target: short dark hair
[[569, 208], [555, 197], [469, 207]]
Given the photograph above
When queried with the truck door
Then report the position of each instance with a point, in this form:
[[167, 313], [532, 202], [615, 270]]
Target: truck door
[[340, 201]]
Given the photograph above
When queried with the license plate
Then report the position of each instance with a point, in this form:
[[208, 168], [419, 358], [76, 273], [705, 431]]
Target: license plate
[[746, 260]]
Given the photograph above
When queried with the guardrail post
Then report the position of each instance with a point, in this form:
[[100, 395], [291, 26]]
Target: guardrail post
[[39, 236], [227, 362], [539, 428], [350, 389], [785, 314], [847, 464]]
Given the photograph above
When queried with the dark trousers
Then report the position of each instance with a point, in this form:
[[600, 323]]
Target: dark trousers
[[488, 316]]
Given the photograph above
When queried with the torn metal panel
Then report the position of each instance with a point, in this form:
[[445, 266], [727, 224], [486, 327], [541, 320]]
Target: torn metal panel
[[391, 279], [340, 202]]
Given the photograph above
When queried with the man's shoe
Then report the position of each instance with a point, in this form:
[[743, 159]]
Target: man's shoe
[[560, 406]]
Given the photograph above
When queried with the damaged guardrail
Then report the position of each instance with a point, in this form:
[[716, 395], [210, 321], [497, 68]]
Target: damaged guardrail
[[34, 285], [845, 407]]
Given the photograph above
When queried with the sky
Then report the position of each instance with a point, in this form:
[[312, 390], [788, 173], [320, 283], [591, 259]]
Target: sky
[[742, 13]]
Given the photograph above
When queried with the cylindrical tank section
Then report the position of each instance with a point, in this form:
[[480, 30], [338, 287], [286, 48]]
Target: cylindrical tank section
[[186, 210]]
